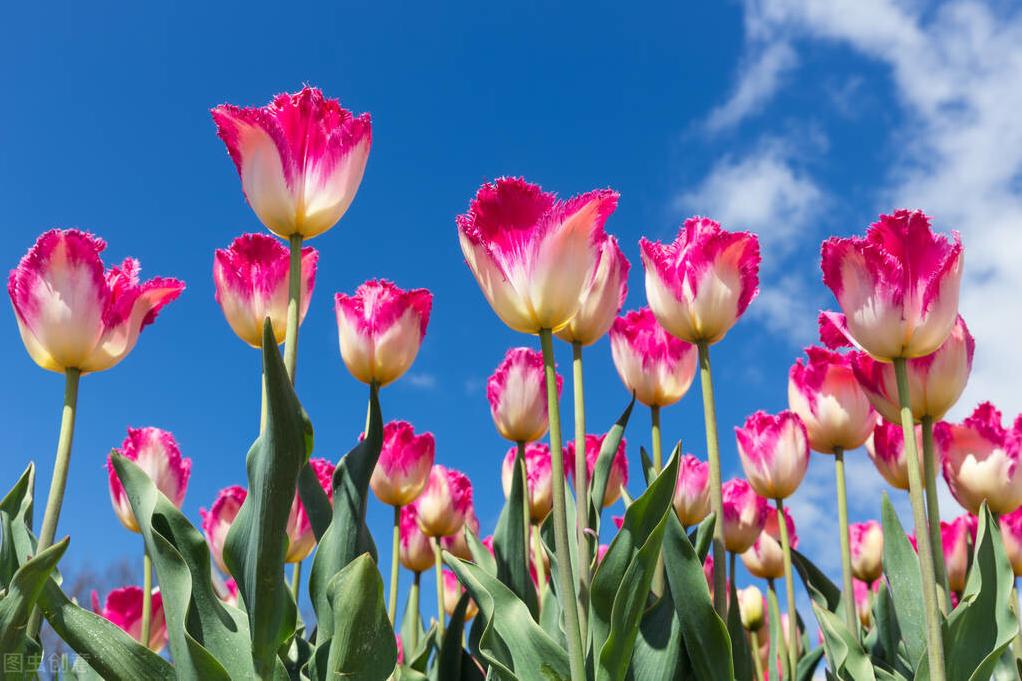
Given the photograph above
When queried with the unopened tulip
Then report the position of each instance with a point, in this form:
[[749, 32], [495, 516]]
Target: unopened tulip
[[774, 450], [380, 329], [301, 538], [652, 363], [752, 607], [452, 594], [866, 541], [602, 298], [862, 593], [533, 255], [692, 493], [251, 278], [404, 464], [981, 460], [824, 393], [764, 559], [1011, 535], [156, 452], [457, 543], [955, 537], [745, 515], [444, 502], [699, 285], [886, 448], [415, 549], [618, 476], [123, 607], [300, 158], [897, 287], [539, 477], [73, 314], [218, 519], [230, 592], [517, 395], [601, 552]]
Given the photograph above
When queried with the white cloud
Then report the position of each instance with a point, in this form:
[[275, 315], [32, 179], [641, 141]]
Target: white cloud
[[760, 78], [421, 380]]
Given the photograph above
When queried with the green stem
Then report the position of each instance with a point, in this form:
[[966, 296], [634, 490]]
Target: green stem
[[775, 615], [262, 405], [413, 603], [565, 581], [394, 566], [658, 456], [294, 295], [523, 473], [1016, 643], [716, 499], [626, 497], [296, 581], [789, 586], [147, 598], [58, 483], [846, 555], [581, 490], [439, 568], [933, 516], [756, 661], [935, 643], [538, 558]]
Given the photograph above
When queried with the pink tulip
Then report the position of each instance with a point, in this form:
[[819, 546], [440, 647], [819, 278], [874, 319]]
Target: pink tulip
[[517, 395], [774, 450], [301, 538], [981, 460], [886, 448], [699, 285], [414, 549], [230, 592], [218, 520], [602, 298], [765, 559], [745, 515], [251, 278], [618, 476], [457, 543], [533, 255], [862, 593], [404, 464], [73, 314], [539, 477], [866, 541], [653, 364], [123, 607], [955, 537], [1011, 534], [897, 287], [825, 395], [708, 574], [156, 452], [601, 552], [300, 158], [381, 328], [444, 502], [452, 594], [692, 492]]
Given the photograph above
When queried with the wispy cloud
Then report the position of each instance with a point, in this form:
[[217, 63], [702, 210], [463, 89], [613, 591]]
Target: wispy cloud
[[760, 77], [421, 380]]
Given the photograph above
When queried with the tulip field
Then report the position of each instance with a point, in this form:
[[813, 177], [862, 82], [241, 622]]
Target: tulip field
[[561, 587]]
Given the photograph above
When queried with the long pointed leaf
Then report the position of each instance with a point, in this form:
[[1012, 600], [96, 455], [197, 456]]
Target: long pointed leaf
[[901, 565]]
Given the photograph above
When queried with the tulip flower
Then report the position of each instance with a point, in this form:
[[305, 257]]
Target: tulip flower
[[745, 515], [539, 477], [517, 395], [765, 558], [457, 544], [404, 464], [752, 607], [618, 476], [981, 460], [692, 492], [1011, 535], [656, 366], [444, 501], [123, 607], [863, 597], [218, 520], [301, 539], [823, 391], [300, 158], [230, 592], [452, 594], [867, 547], [381, 328], [416, 553], [602, 298], [156, 452], [251, 278], [774, 451], [886, 449], [955, 537]]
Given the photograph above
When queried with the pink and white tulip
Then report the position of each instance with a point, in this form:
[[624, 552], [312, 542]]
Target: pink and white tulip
[[765, 559], [618, 476], [539, 478], [301, 538], [414, 549], [955, 536], [699, 285], [824, 393], [301, 159], [444, 502], [653, 364], [404, 464], [602, 298], [517, 395], [74, 314], [123, 607], [897, 287], [886, 448], [380, 329], [533, 255], [251, 278], [692, 492], [457, 543], [452, 594], [218, 520], [774, 450], [866, 541], [1011, 535], [745, 515], [156, 452], [981, 460], [862, 593], [229, 594]]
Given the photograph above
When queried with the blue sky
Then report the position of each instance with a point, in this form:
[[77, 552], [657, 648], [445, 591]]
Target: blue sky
[[793, 118]]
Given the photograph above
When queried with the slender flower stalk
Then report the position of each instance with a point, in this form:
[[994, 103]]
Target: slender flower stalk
[[438, 567], [658, 457], [846, 552], [413, 604], [294, 295], [394, 566], [782, 645], [147, 596], [756, 661], [296, 581], [789, 587], [581, 483], [540, 562], [716, 499], [933, 516]]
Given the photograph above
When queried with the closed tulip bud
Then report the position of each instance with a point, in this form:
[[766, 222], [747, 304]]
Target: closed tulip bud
[[123, 607], [692, 492], [602, 298], [300, 158], [404, 464], [444, 502], [218, 519], [73, 314], [457, 543], [229, 595], [774, 450], [251, 278], [897, 287], [745, 515], [414, 549], [886, 448], [752, 607], [601, 552], [380, 329], [533, 255], [1011, 535], [618, 476], [866, 541], [517, 395], [699, 285], [452, 594], [156, 452], [653, 364], [955, 537], [765, 559], [825, 394], [538, 474], [862, 593], [301, 538], [981, 460]]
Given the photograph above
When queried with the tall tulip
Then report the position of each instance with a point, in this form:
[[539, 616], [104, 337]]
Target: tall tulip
[[956, 535], [774, 451], [867, 548], [416, 552], [886, 448], [745, 515], [301, 539], [862, 593], [1011, 535], [765, 558], [692, 492], [517, 395], [617, 478], [123, 607], [656, 366], [539, 476], [453, 591], [218, 520], [982, 460]]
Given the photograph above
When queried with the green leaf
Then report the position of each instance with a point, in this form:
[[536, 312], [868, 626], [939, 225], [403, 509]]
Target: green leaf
[[806, 667], [510, 543], [774, 653], [704, 536], [22, 592], [886, 635], [449, 660], [15, 520], [412, 633], [481, 555], [740, 655], [823, 591], [659, 653], [648, 469], [315, 500], [604, 463], [901, 565], [845, 657]]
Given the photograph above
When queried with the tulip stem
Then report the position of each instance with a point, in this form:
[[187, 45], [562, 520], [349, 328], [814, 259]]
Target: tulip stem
[[933, 516], [147, 598], [394, 565], [263, 405], [294, 295], [846, 553], [756, 661], [581, 487], [565, 581], [775, 615], [439, 567], [296, 581], [523, 473], [413, 604], [58, 483], [716, 498], [538, 558], [626, 497], [789, 585], [1016, 643], [658, 456], [935, 643]]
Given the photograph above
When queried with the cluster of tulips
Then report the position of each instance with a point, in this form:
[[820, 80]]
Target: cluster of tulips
[[546, 599]]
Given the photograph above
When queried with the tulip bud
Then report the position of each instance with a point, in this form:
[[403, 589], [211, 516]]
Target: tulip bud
[[218, 519], [886, 448], [981, 460], [457, 543], [123, 607], [618, 476], [955, 537], [828, 399], [156, 452], [692, 493], [414, 549], [601, 552], [444, 502], [654, 365], [538, 474], [862, 593], [752, 607], [299, 529], [452, 594], [517, 395], [745, 515], [774, 450], [1011, 534], [765, 558], [866, 541], [229, 595], [404, 464], [602, 298]]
